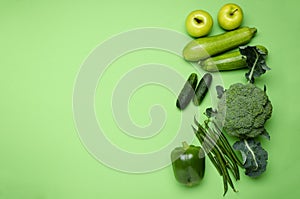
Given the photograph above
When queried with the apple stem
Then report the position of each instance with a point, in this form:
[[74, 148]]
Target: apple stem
[[198, 20], [234, 11]]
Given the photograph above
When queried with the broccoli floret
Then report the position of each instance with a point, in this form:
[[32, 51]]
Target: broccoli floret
[[243, 110]]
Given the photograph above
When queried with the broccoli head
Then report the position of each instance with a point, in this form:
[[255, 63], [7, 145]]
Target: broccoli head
[[243, 110]]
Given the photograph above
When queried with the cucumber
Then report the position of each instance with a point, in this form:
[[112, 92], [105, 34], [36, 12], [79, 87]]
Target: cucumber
[[202, 88], [227, 61], [205, 47], [188, 91]]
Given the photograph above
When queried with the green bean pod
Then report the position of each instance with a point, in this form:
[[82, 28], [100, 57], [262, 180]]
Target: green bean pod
[[219, 154]]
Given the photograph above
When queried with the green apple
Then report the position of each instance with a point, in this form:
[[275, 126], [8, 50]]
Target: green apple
[[198, 23], [230, 16]]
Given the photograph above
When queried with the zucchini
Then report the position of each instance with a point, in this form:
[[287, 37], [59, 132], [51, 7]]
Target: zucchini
[[227, 61], [188, 91], [205, 47], [202, 89]]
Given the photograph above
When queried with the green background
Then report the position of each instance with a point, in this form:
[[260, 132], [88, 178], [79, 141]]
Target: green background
[[42, 46]]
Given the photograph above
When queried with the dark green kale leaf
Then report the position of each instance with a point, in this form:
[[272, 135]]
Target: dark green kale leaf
[[210, 112], [220, 91], [265, 134], [255, 59], [254, 156]]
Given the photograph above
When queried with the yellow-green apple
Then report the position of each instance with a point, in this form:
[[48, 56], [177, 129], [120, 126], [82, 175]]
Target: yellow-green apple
[[198, 23], [230, 16]]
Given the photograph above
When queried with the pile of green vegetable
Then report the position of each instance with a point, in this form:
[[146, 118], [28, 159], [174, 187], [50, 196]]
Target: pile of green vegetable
[[242, 110]]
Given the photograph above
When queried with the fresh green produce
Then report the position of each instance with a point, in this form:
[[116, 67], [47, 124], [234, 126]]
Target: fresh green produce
[[202, 88], [230, 16], [255, 157], [242, 111], [256, 61], [188, 91], [199, 23], [219, 151], [205, 47], [227, 61], [188, 164]]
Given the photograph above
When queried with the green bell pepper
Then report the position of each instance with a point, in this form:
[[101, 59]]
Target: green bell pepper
[[188, 167]]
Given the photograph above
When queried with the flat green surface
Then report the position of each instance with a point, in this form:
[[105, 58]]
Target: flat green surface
[[42, 46]]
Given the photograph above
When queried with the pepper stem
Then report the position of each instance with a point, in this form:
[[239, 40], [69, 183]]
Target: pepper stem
[[185, 145]]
